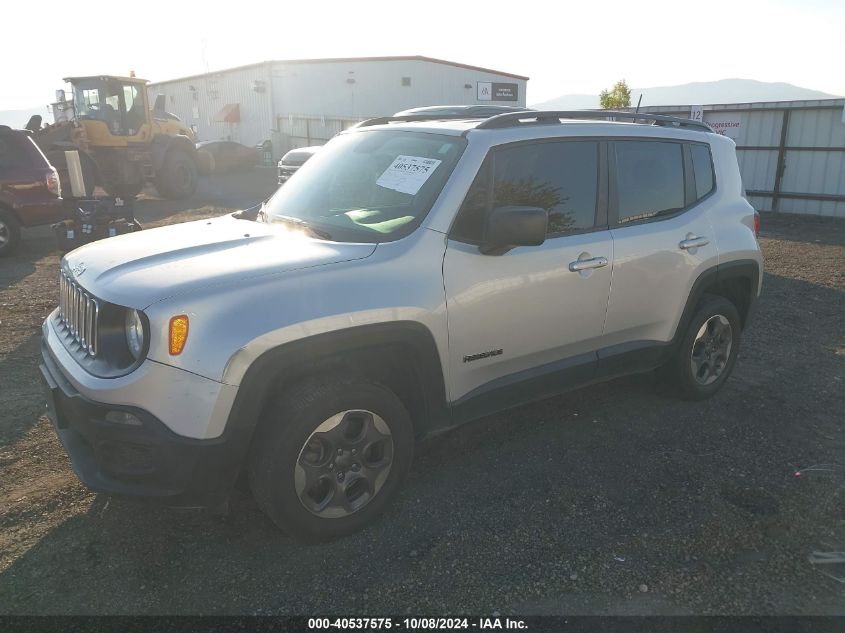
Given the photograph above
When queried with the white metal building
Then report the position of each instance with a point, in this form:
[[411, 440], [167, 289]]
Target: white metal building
[[791, 153], [302, 102]]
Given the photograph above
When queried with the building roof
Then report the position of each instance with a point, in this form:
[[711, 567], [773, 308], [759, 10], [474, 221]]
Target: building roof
[[126, 80], [329, 60]]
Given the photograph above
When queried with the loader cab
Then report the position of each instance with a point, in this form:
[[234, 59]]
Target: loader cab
[[110, 109]]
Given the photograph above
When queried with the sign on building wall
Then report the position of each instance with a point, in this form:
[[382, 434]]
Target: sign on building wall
[[727, 124], [696, 113], [494, 91]]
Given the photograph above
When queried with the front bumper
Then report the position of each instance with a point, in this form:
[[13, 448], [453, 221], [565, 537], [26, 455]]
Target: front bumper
[[285, 172], [146, 460]]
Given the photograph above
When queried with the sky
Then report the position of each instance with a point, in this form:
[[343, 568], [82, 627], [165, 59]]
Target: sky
[[565, 48]]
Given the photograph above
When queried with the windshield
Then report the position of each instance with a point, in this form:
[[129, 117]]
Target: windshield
[[121, 106], [372, 186]]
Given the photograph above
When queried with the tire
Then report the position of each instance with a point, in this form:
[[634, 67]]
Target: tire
[[178, 176], [708, 350], [321, 484], [10, 232]]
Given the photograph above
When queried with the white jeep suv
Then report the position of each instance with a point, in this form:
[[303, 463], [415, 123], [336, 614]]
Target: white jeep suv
[[412, 276]]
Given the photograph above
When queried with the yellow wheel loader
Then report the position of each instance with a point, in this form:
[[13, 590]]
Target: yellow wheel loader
[[122, 143]]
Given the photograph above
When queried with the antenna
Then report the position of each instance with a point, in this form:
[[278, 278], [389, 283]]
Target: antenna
[[639, 101]]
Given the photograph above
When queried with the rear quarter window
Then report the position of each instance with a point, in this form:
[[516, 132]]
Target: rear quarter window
[[650, 179], [702, 167]]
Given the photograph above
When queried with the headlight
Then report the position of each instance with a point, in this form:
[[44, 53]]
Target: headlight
[[134, 329]]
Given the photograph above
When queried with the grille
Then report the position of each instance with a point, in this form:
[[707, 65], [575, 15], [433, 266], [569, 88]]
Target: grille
[[78, 314]]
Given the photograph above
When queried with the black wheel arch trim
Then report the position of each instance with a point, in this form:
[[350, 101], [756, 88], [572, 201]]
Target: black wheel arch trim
[[264, 373], [736, 269]]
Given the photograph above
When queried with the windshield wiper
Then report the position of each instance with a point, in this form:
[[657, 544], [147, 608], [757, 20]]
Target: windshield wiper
[[300, 223]]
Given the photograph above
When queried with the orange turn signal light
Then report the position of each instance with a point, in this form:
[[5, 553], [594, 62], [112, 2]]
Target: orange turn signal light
[[178, 334]]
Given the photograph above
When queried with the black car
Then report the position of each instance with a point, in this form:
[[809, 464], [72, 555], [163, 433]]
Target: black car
[[293, 160]]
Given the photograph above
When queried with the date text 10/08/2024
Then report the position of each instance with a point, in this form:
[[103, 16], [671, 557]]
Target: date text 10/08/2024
[[417, 624]]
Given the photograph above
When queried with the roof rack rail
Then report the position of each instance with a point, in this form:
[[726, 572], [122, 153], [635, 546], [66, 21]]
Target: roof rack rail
[[554, 116], [410, 118]]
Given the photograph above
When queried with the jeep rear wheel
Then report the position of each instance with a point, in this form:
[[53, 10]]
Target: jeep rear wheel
[[10, 232], [328, 459], [707, 354]]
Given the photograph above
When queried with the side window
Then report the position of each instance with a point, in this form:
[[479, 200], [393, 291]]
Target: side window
[[560, 177], [649, 179], [702, 167]]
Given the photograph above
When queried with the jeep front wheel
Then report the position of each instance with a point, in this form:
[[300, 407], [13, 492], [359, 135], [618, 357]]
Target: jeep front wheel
[[328, 459]]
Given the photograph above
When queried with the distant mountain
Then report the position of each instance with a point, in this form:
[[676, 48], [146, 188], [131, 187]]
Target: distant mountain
[[696, 93], [18, 118]]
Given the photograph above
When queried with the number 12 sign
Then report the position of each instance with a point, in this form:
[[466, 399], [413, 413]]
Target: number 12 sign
[[696, 113]]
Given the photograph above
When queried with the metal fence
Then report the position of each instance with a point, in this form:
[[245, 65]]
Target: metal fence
[[791, 153], [303, 130]]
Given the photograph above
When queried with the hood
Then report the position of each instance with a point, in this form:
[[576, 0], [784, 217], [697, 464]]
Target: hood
[[139, 269]]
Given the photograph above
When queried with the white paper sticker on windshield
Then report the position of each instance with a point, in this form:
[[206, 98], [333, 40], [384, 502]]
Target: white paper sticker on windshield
[[407, 174]]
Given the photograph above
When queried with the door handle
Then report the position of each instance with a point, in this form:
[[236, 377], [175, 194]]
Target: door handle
[[584, 264], [693, 242]]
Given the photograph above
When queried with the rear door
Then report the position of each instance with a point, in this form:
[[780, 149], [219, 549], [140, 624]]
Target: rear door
[[525, 323], [663, 240]]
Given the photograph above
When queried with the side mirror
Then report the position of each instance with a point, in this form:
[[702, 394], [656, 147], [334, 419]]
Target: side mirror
[[514, 226], [159, 104]]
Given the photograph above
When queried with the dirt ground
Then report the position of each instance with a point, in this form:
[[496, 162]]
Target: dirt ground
[[616, 499]]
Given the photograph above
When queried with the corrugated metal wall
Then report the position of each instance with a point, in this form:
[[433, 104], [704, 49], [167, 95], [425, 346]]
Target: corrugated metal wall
[[304, 131], [811, 153], [198, 101], [319, 91]]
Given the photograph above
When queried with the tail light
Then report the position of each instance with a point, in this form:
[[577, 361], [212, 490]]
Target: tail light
[[53, 185], [756, 223]]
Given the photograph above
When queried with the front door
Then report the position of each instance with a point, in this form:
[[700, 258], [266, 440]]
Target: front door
[[526, 323]]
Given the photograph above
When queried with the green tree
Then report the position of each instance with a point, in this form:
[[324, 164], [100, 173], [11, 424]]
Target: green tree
[[617, 97]]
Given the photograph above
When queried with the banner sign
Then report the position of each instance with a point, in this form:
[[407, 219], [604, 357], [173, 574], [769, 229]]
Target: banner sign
[[727, 124], [495, 91]]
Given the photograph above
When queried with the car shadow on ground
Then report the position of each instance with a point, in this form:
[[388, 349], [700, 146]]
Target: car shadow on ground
[[36, 243], [21, 399]]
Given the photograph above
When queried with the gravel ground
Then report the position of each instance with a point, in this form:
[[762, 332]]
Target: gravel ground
[[617, 499]]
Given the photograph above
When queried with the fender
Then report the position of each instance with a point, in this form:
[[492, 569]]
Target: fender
[[737, 269], [288, 361]]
